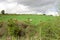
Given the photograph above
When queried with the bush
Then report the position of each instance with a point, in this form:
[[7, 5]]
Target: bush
[[20, 28], [44, 14]]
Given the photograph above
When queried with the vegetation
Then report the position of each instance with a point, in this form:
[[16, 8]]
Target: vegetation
[[29, 27], [44, 14], [3, 11]]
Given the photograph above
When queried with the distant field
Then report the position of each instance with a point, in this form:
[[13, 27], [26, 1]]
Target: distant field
[[35, 18], [48, 27]]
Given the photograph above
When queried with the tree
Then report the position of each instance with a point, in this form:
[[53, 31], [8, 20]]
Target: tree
[[44, 14], [3, 11]]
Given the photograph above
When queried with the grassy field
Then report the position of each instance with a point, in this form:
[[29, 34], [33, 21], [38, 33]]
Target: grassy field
[[47, 27], [35, 18]]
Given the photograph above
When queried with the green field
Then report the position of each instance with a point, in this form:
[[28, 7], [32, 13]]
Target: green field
[[48, 27], [35, 18]]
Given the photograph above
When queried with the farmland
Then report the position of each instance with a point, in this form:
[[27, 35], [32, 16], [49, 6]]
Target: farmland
[[43, 27]]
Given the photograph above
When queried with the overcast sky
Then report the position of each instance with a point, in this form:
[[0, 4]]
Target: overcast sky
[[21, 6]]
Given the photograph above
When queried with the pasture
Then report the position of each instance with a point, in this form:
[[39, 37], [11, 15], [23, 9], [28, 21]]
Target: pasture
[[43, 27], [35, 18]]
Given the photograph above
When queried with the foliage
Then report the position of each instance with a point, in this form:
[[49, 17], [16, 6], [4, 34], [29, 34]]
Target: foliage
[[3, 11], [20, 28], [40, 28]]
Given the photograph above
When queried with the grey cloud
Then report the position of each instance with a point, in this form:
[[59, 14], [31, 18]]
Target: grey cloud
[[38, 5], [2, 0], [34, 3], [42, 8]]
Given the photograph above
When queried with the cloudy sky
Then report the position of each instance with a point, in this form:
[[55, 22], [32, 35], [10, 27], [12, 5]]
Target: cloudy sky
[[33, 6]]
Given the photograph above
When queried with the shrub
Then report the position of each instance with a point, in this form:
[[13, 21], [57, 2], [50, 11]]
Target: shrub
[[44, 14], [20, 28]]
